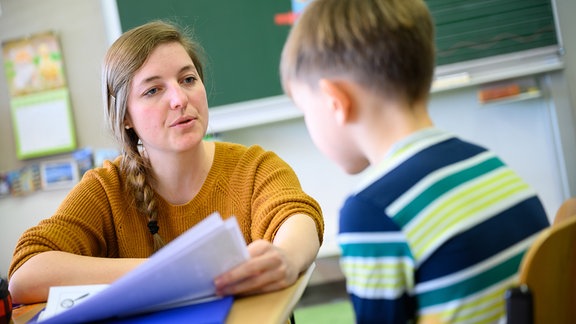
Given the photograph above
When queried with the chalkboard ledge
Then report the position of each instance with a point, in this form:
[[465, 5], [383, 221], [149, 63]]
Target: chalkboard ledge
[[279, 108], [251, 113], [496, 68]]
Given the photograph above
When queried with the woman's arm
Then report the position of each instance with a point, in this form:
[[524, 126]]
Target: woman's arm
[[31, 282], [298, 238], [273, 266]]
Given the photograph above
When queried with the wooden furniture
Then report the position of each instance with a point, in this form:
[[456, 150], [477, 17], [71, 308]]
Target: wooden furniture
[[547, 278], [566, 210], [273, 308]]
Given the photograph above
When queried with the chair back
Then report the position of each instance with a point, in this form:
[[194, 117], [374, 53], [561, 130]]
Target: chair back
[[566, 210], [548, 270]]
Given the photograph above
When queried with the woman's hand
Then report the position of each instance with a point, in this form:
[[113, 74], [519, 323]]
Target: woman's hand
[[268, 269], [277, 265]]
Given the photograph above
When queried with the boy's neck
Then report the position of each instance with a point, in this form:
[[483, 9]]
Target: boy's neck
[[389, 124]]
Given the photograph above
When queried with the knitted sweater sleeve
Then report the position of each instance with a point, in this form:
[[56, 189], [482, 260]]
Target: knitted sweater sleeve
[[82, 224], [268, 191]]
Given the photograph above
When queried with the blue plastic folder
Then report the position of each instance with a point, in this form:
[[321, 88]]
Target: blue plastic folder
[[211, 312]]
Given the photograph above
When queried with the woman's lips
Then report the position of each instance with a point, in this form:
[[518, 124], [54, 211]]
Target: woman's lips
[[182, 120]]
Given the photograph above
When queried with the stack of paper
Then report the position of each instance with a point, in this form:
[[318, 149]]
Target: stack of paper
[[182, 273]]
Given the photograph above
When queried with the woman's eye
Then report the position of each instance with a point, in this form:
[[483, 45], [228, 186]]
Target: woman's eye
[[189, 79], [151, 92]]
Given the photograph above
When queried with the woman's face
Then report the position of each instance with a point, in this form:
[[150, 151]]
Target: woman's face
[[167, 104]]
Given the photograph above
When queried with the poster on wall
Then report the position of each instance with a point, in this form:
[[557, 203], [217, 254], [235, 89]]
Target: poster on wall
[[40, 103]]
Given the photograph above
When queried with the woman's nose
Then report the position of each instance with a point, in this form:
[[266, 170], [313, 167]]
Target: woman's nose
[[178, 98]]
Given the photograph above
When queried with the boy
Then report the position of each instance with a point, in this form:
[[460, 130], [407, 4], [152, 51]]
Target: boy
[[438, 229]]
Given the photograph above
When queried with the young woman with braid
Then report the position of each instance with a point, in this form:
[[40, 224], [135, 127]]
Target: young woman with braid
[[166, 181]]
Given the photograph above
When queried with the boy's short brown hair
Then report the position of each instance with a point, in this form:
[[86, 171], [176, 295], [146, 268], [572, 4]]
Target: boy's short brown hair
[[385, 45]]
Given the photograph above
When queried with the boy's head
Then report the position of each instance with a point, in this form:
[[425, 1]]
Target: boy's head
[[386, 46]]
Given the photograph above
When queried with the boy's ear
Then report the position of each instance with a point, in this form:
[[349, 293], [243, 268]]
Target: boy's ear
[[338, 99]]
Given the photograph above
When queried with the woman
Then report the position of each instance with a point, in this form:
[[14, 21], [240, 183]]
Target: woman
[[167, 180]]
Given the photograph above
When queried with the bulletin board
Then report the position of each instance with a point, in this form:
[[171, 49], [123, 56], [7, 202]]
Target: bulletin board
[[39, 99]]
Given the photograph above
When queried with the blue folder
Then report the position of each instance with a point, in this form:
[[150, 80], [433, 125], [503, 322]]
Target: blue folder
[[211, 312]]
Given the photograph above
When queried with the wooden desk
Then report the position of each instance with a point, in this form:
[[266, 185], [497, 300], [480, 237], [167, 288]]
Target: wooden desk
[[23, 314], [274, 307]]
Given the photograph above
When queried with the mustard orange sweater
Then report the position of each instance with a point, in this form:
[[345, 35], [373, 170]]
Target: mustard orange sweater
[[97, 219]]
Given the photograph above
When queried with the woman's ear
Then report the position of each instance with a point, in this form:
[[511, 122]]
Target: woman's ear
[[337, 99], [127, 123]]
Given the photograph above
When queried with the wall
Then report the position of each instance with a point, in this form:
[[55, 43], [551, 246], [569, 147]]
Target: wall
[[80, 27], [536, 137], [565, 95]]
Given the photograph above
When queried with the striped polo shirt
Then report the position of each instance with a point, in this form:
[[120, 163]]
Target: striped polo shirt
[[436, 233]]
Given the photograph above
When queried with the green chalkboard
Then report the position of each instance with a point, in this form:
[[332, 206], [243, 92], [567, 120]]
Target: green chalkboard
[[241, 41], [473, 29]]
